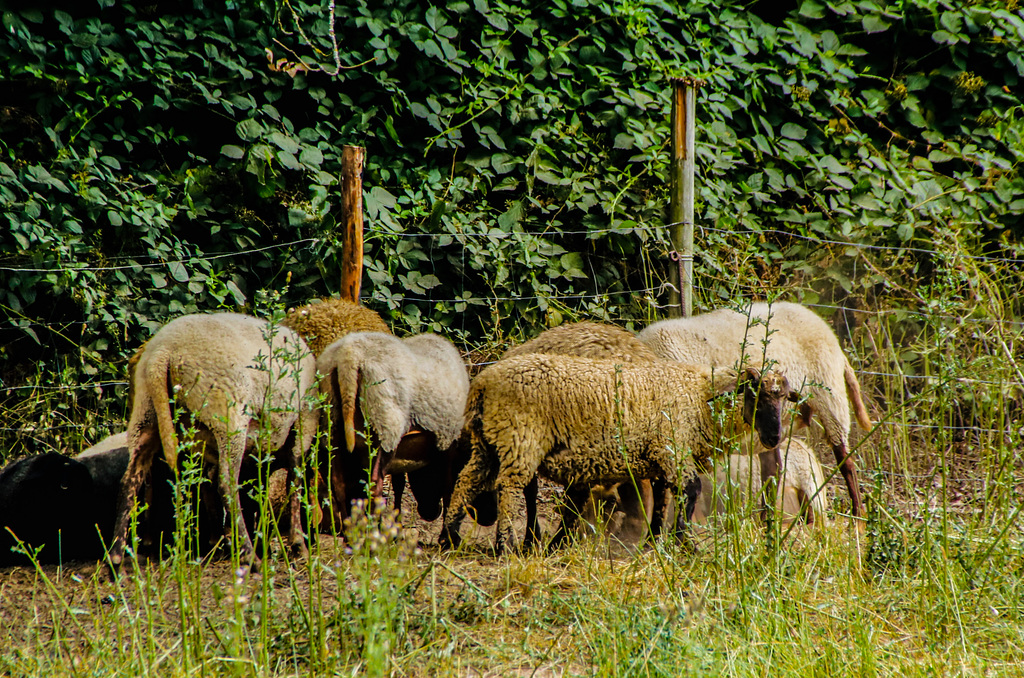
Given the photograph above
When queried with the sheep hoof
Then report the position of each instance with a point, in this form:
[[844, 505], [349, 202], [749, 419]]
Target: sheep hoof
[[449, 539], [299, 551]]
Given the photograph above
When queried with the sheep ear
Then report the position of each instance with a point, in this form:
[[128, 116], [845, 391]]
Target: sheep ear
[[723, 381], [752, 374]]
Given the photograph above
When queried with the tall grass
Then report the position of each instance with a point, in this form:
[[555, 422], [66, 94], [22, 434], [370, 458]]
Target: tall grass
[[933, 587]]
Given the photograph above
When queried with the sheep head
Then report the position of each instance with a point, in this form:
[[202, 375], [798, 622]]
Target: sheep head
[[765, 399]]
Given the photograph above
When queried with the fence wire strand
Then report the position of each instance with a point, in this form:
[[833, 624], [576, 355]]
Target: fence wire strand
[[647, 293]]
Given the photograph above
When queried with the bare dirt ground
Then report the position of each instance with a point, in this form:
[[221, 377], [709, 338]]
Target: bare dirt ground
[[38, 603], [78, 606]]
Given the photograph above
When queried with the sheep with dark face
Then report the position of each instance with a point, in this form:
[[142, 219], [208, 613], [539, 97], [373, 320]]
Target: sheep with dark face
[[246, 385], [107, 462], [408, 397], [793, 339], [587, 340], [46, 501], [64, 506], [581, 421]]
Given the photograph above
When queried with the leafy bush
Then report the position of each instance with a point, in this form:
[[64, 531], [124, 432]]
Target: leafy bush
[[160, 159]]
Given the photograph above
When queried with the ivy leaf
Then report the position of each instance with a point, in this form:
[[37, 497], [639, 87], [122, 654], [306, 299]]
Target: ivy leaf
[[874, 23], [297, 217], [503, 163], [432, 18], [284, 142], [236, 293], [572, 265], [288, 160], [428, 281], [510, 217], [812, 10], [177, 270], [231, 151], [249, 130], [793, 131], [311, 155], [624, 141]]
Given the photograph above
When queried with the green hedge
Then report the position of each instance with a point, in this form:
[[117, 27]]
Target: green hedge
[[167, 158]]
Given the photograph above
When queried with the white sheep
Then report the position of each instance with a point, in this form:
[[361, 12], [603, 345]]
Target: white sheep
[[409, 395], [799, 344], [739, 481], [246, 385], [581, 421]]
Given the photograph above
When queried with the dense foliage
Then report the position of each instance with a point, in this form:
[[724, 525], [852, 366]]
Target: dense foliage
[[160, 158]]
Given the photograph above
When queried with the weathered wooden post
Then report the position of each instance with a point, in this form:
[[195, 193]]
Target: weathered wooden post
[[684, 92], [351, 221]]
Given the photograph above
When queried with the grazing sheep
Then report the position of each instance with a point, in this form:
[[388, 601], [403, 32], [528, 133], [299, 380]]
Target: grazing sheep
[[107, 461], [800, 489], [61, 505], [581, 421], [47, 501], [244, 383], [587, 340], [799, 343], [409, 395], [624, 511], [321, 323]]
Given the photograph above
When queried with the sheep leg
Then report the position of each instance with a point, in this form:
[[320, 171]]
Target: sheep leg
[[662, 506], [770, 463], [849, 471], [339, 499], [143, 449], [293, 460], [470, 483], [637, 502], [381, 460], [231, 444], [575, 497], [532, 526], [398, 488], [509, 488]]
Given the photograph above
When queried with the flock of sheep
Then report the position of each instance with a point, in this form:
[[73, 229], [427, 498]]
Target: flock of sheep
[[645, 421]]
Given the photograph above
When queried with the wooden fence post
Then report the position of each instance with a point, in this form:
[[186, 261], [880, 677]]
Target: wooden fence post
[[684, 92], [351, 221]]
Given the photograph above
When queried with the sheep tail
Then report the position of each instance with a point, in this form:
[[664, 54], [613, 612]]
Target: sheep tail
[[348, 394], [853, 390], [157, 379]]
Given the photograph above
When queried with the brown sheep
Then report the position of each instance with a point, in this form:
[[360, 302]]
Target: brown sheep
[[581, 421], [323, 322]]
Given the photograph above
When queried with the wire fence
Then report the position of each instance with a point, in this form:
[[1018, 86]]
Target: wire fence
[[371, 233], [649, 294]]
